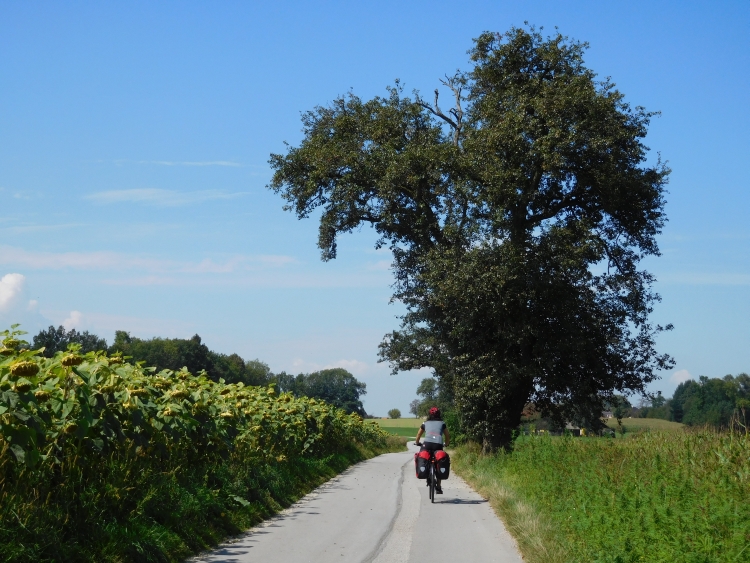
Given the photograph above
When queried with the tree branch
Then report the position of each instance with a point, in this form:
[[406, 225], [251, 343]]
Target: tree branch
[[455, 83]]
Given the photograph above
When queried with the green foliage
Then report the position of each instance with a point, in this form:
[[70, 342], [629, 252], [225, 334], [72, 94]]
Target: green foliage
[[58, 339], [101, 460], [394, 413], [656, 497], [176, 353], [517, 221], [709, 401], [428, 389], [335, 386], [433, 393], [414, 407]]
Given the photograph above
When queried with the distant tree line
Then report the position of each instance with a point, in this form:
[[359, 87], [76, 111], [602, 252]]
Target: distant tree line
[[708, 401], [712, 401], [335, 386]]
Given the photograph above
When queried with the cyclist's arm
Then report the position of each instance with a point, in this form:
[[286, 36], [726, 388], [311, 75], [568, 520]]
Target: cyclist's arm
[[447, 437], [419, 435]]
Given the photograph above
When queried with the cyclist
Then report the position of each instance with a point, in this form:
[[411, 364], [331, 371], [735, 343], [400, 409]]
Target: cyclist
[[433, 430]]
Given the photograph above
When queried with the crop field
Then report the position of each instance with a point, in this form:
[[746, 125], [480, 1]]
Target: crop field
[[405, 427], [400, 422], [656, 497], [638, 424], [101, 460]]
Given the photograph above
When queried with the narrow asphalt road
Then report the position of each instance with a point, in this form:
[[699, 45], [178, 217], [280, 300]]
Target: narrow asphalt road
[[377, 512]]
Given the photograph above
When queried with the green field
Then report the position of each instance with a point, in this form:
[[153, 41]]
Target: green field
[[406, 427], [638, 424], [399, 422]]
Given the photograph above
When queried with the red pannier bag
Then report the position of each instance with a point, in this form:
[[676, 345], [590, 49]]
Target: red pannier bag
[[443, 464], [421, 463]]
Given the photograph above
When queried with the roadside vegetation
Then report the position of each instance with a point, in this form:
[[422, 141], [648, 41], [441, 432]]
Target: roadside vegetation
[[652, 496], [102, 460]]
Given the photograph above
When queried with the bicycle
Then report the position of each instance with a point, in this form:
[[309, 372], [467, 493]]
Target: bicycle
[[431, 473]]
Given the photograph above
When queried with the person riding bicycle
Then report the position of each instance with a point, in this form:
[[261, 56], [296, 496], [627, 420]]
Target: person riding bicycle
[[433, 430]]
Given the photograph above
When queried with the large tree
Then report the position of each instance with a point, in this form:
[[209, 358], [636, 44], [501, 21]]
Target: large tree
[[517, 220]]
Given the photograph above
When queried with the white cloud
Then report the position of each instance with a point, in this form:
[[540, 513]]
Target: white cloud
[[680, 376], [159, 197], [73, 320], [32, 306], [11, 286]]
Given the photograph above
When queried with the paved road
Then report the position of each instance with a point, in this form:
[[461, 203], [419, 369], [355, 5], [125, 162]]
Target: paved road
[[377, 512]]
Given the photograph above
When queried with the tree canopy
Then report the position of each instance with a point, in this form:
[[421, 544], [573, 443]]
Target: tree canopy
[[176, 353], [710, 400], [335, 386], [517, 220], [57, 340]]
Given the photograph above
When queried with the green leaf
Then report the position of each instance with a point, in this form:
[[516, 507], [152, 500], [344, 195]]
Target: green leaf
[[68, 407], [18, 452], [240, 500]]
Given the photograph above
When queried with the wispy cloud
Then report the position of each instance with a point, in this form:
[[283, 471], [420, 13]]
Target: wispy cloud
[[159, 197], [355, 367], [121, 161], [31, 228], [193, 163], [76, 260], [380, 265], [115, 261], [248, 271], [715, 278], [102, 324]]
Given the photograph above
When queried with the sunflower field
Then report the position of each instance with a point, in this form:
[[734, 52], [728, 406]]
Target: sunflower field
[[102, 460]]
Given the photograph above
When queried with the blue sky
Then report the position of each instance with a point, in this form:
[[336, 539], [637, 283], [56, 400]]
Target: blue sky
[[134, 141]]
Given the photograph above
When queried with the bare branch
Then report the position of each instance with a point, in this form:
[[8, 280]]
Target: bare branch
[[455, 83]]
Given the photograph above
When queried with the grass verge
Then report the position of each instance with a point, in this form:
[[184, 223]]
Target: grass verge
[[655, 497]]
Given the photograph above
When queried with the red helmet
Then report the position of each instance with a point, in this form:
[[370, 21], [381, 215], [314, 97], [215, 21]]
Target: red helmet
[[434, 411]]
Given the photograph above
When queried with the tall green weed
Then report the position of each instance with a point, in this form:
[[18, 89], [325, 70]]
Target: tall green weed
[[654, 497]]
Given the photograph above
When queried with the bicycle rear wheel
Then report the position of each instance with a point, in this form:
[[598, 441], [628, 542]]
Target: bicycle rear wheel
[[432, 482]]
